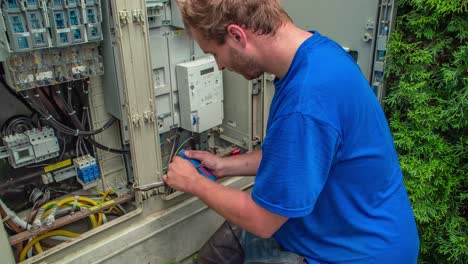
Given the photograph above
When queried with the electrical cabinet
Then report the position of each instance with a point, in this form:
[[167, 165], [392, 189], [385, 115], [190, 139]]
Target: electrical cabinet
[[98, 96]]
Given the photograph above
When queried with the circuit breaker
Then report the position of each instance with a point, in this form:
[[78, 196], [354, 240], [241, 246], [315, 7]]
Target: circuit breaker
[[32, 146], [60, 36], [200, 85]]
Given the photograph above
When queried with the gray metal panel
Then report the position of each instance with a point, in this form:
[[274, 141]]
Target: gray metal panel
[[159, 59], [161, 78], [176, 16], [237, 122], [4, 46], [343, 21], [180, 50], [112, 90]]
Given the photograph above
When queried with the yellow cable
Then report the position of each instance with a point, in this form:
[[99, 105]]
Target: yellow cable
[[46, 213], [38, 247], [104, 199], [106, 194], [81, 199], [46, 235]]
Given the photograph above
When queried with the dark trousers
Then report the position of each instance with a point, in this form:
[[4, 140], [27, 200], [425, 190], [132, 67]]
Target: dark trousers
[[233, 245]]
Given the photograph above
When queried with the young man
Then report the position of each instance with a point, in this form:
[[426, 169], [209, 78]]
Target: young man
[[328, 184]]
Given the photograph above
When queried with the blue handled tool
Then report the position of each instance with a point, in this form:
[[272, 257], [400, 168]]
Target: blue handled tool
[[201, 169]]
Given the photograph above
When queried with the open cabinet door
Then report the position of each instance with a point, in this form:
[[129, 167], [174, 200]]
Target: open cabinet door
[[243, 103], [362, 27]]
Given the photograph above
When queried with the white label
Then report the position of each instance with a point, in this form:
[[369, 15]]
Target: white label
[[44, 75], [40, 30], [25, 34], [63, 30], [25, 79], [78, 69]]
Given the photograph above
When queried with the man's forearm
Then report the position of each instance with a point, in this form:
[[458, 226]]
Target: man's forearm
[[239, 208], [242, 165]]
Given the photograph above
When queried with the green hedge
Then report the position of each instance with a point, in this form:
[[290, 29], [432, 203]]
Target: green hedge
[[427, 76]]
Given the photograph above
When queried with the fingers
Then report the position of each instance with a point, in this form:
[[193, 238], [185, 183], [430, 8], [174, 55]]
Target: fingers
[[196, 154]]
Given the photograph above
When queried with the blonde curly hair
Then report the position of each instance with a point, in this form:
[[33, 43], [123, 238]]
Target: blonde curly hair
[[211, 17]]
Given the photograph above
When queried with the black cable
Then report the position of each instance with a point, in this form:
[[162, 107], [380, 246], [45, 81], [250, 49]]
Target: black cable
[[63, 128], [57, 109], [100, 146], [4, 130], [67, 130]]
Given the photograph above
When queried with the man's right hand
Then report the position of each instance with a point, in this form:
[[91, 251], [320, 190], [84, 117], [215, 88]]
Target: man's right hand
[[208, 160]]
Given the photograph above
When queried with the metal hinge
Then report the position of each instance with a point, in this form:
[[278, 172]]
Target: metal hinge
[[270, 77], [369, 31], [256, 86], [256, 141], [136, 120], [137, 16], [123, 15], [149, 117]]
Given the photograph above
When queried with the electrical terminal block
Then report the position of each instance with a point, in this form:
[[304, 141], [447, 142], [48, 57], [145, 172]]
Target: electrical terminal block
[[87, 171], [47, 178], [31, 147], [64, 174], [59, 175]]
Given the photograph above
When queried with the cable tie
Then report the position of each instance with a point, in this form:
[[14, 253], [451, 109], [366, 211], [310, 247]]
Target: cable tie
[[77, 132], [49, 117], [72, 113], [85, 108], [74, 202]]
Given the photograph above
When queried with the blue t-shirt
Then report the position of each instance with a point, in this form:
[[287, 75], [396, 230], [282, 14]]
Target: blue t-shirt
[[330, 166]]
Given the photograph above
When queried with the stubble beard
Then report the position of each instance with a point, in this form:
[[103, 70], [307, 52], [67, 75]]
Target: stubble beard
[[244, 65]]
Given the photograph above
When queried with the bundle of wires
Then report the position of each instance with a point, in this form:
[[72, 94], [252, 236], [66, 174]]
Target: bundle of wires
[[67, 205], [35, 101], [16, 124]]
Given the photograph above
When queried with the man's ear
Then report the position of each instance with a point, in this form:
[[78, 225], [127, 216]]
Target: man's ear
[[236, 35]]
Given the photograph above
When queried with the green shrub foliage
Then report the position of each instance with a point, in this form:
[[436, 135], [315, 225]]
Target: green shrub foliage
[[426, 101]]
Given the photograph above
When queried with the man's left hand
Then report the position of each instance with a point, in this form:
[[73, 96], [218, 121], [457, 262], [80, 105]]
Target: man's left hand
[[182, 175]]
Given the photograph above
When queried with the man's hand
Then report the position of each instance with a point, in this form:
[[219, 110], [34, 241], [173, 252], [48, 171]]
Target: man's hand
[[208, 160], [234, 205], [182, 175]]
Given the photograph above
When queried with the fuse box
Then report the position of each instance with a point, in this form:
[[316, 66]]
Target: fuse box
[[87, 171], [66, 28]]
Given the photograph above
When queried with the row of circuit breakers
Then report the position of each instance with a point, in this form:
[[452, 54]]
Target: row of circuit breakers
[[51, 41], [58, 23], [38, 145]]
